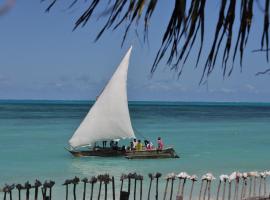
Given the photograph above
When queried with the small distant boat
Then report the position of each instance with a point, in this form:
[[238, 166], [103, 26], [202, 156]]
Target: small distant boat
[[109, 119]]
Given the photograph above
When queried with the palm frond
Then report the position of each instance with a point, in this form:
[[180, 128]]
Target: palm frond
[[186, 24]]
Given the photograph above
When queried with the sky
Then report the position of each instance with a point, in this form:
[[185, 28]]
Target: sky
[[42, 58]]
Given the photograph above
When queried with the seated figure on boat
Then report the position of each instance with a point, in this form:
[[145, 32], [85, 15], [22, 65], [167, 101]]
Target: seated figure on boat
[[148, 145], [104, 144], [160, 144], [115, 145], [139, 146]]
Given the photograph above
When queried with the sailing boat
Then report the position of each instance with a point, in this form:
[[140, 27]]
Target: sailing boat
[[109, 119]]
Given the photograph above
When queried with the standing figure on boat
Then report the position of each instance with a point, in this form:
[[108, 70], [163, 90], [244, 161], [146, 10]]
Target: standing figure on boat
[[104, 144], [115, 145], [111, 144], [160, 143]]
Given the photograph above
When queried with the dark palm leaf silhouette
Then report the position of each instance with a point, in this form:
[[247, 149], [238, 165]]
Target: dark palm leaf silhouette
[[186, 24]]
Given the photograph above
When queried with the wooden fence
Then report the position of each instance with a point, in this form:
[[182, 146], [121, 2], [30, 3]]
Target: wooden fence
[[237, 186]]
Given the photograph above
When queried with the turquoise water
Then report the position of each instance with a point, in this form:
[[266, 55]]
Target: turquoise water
[[217, 138]]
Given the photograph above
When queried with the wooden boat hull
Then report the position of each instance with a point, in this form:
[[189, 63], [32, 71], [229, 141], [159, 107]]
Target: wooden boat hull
[[148, 154], [98, 152], [145, 154]]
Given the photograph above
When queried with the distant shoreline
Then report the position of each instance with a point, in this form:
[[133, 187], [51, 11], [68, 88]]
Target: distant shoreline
[[148, 102]]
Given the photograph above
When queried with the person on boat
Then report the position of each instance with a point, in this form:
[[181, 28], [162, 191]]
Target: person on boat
[[115, 145], [139, 146], [131, 147], [111, 144], [149, 145], [134, 144], [146, 142], [94, 146], [104, 143], [160, 143]]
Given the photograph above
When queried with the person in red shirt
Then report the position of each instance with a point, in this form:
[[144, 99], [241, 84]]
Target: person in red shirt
[[160, 144]]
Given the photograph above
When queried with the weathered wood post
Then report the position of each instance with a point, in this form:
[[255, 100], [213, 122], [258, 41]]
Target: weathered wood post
[[11, 187], [167, 178], [245, 188], [179, 187], [250, 186], [47, 185], [75, 181], [92, 181], [123, 194], [260, 185], [135, 185], [209, 189], [264, 184], [66, 183], [100, 179], [157, 176], [106, 180], [172, 181], [129, 182], [84, 180], [230, 189], [237, 180], [106, 189], [140, 178], [19, 188], [50, 185], [180, 193], [5, 190], [224, 189], [8, 189], [183, 187], [122, 178], [254, 186], [193, 178], [218, 189], [206, 186], [5, 193], [203, 179], [27, 186], [262, 177], [113, 188], [200, 192], [151, 176], [44, 190], [36, 186]]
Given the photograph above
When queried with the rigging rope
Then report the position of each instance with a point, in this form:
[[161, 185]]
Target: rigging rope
[[140, 134]]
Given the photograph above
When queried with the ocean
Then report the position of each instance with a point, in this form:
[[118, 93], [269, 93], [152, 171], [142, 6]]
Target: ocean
[[209, 137]]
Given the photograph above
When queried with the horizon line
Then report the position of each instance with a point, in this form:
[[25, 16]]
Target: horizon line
[[157, 101]]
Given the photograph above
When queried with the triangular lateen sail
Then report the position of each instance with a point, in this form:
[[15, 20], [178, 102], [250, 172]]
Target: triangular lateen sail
[[109, 116]]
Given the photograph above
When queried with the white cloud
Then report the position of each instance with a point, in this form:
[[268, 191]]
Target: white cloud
[[4, 80], [164, 85], [227, 90], [250, 87]]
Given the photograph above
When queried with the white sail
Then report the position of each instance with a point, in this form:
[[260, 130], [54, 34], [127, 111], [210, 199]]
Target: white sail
[[109, 116]]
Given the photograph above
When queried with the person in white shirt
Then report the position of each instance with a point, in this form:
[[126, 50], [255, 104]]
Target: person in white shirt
[[134, 143]]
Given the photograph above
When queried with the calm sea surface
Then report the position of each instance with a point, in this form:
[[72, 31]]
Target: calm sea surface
[[217, 138]]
